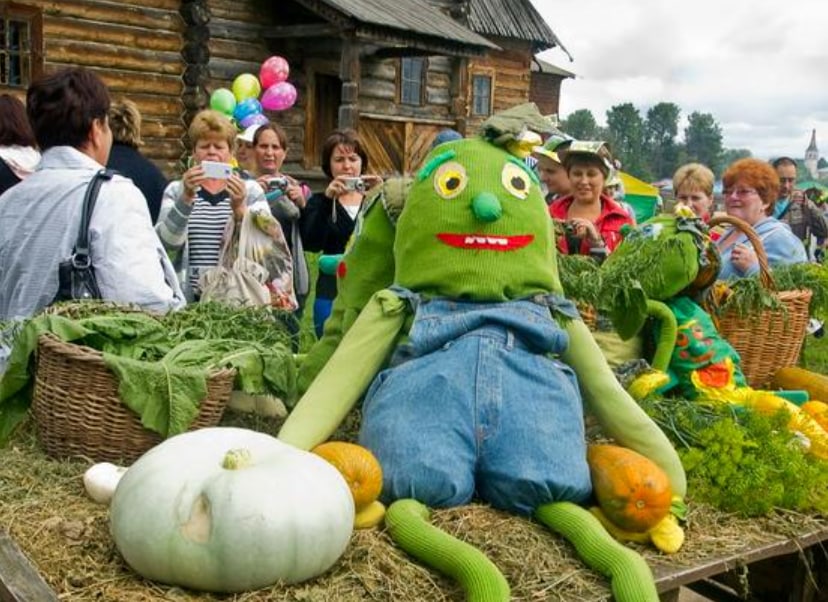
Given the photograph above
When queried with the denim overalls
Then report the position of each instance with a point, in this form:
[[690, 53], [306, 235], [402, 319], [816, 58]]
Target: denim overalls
[[477, 405]]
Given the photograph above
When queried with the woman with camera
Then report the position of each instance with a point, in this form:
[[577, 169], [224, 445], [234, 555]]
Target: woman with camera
[[328, 220], [592, 220], [196, 209], [286, 197]]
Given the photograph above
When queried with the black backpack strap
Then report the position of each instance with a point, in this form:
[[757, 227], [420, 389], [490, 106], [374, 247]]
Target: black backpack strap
[[80, 254]]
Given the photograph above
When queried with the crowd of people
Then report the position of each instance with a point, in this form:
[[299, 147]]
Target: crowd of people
[[154, 240]]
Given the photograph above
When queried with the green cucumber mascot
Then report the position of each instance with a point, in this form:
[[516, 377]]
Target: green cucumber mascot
[[474, 370]]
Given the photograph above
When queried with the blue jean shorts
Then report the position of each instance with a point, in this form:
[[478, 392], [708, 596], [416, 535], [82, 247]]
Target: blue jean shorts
[[480, 407]]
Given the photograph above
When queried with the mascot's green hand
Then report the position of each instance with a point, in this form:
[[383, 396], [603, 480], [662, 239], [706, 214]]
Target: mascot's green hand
[[407, 522], [630, 577], [328, 263]]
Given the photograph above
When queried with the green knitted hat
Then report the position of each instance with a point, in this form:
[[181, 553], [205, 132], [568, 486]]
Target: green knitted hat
[[475, 227]]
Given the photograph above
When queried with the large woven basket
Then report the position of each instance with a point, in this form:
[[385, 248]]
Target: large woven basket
[[769, 339], [78, 412]]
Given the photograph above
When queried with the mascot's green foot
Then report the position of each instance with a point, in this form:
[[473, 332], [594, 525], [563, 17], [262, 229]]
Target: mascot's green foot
[[407, 522], [630, 577]]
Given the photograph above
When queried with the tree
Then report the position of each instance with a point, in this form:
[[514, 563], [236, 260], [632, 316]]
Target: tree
[[734, 154], [581, 125], [703, 140], [660, 130], [625, 130]]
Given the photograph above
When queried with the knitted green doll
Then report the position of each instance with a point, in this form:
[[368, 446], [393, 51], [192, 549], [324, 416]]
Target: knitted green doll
[[483, 395]]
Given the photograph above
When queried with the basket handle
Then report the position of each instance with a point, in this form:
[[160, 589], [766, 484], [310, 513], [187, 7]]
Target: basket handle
[[765, 277]]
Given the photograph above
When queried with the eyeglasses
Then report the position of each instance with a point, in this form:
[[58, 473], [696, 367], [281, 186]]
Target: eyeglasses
[[739, 192]]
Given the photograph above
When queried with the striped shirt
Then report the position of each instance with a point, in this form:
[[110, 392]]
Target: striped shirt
[[205, 231]]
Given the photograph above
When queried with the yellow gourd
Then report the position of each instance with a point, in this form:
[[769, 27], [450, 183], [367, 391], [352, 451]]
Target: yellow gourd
[[793, 378]]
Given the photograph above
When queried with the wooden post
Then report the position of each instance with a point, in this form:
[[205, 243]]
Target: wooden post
[[196, 55], [349, 73]]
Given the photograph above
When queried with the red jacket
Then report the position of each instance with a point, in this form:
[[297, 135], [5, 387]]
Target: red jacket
[[609, 223]]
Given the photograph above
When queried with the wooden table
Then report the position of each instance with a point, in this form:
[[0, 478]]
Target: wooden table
[[790, 570]]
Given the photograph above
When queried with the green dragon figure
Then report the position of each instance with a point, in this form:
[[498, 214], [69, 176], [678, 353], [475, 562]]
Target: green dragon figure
[[485, 366]]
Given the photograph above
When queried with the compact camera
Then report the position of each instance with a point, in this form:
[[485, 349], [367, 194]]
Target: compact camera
[[356, 184], [278, 183]]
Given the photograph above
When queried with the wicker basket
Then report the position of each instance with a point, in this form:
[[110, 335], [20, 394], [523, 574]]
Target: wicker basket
[[588, 314], [770, 339], [78, 412]]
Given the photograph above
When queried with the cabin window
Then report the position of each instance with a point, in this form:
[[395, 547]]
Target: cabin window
[[412, 81], [481, 95], [20, 45]]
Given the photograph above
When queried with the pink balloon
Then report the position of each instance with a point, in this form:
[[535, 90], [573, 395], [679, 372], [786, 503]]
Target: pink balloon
[[273, 70], [279, 97]]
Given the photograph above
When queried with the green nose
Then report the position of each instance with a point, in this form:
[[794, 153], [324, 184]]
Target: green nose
[[486, 207]]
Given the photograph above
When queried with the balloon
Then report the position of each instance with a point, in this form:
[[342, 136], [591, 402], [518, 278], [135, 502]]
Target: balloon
[[245, 108], [279, 97], [222, 100], [273, 70], [246, 86], [255, 119]]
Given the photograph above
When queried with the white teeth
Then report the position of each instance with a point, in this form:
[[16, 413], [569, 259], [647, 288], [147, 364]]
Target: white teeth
[[484, 240]]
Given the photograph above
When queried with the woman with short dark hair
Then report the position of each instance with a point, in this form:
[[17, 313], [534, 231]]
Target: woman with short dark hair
[[329, 218], [18, 149]]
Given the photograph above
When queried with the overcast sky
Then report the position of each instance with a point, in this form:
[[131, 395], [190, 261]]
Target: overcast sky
[[759, 67]]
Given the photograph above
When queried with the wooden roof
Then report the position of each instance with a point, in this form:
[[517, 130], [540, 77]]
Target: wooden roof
[[541, 66], [410, 22], [516, 19]]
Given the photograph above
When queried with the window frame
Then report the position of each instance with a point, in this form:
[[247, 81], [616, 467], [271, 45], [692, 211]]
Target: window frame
[[488, 74], [33, 18], [421, 81]]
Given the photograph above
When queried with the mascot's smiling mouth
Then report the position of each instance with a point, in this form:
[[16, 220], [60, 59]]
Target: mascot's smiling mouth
[[486, 242]]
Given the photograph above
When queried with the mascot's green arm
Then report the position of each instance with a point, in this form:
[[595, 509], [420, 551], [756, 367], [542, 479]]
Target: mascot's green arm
[[407, 522], [346, 376], [619, 415], [630, 577], [668, 330]]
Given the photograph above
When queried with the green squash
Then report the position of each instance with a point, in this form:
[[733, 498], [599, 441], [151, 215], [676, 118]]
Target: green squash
[[230, 510]]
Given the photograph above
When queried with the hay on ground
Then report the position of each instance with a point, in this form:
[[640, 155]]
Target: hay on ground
[[44, 508]]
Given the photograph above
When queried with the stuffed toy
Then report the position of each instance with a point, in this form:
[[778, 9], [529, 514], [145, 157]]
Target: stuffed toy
[[474, 369], [657, 272]]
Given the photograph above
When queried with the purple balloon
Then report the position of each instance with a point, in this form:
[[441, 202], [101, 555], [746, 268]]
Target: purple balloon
[[273, 70], [279, 97], [255, 119]]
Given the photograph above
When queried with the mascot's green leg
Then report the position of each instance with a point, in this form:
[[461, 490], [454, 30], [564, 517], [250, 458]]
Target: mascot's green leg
[[630, 577], [407, 522]]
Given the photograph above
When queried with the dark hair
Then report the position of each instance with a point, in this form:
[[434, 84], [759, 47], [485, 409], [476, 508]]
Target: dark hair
[[571, 159], [276, 129], [782, 161], [14, 125], [348, 138], [62, 106]]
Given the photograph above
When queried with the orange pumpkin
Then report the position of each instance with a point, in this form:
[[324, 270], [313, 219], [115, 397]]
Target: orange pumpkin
[[633, 491], [358, 465]]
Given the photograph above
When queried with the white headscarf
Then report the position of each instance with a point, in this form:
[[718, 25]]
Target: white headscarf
[[22, 160]]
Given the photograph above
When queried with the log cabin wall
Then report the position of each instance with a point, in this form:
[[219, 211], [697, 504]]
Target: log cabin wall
[[510, 73], [135, 47], [398, 136], [545, 91]]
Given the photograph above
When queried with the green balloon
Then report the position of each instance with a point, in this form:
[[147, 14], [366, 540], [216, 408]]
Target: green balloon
[[223, 100]]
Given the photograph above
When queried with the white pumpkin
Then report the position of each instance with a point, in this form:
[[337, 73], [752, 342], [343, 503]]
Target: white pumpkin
[[189, 513], [101, 479]]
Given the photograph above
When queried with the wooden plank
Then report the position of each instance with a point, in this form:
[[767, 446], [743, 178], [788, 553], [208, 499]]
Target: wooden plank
[[669, 578], [89, 54], [19, 580], [136, 14]]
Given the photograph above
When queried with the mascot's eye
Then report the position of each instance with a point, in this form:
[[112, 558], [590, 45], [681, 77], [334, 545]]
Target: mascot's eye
[[515, 180], [450, 179], [681, 339], [698, 333]]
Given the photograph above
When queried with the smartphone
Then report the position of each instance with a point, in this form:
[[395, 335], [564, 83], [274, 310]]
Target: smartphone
[[214, 169]]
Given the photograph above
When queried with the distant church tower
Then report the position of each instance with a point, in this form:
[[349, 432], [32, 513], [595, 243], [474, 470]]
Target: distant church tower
[[812, 156]]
